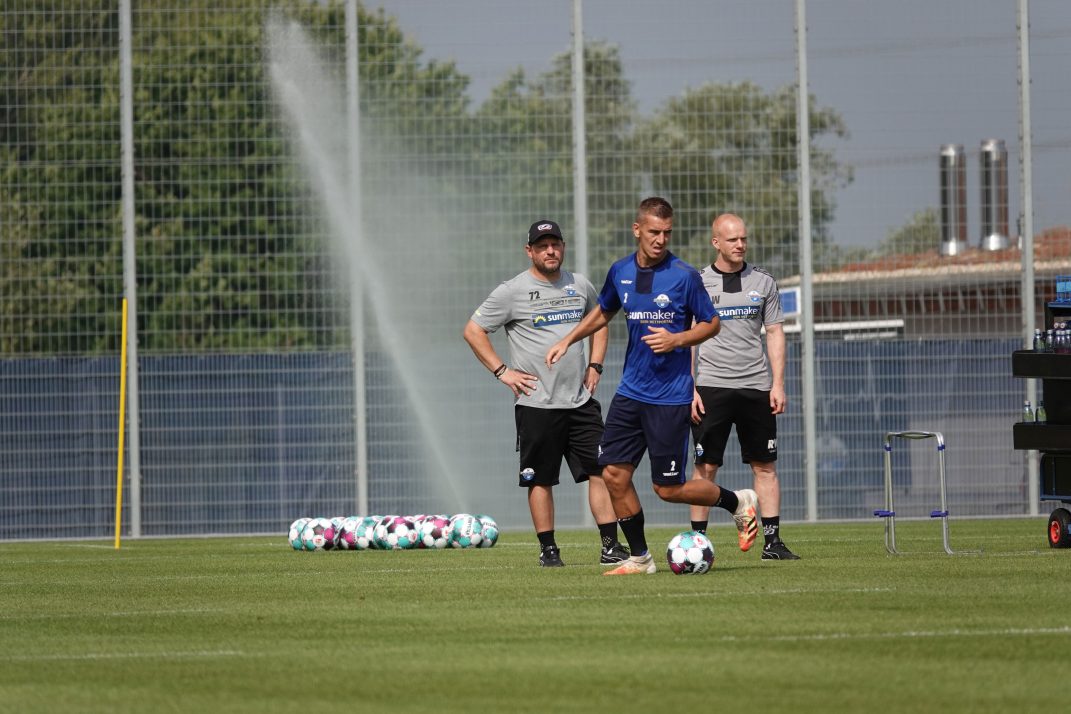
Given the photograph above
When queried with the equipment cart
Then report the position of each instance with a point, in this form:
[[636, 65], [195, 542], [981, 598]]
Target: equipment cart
[[1052, 439]]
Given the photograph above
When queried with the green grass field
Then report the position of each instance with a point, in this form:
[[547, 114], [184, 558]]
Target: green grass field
[[248, 625]]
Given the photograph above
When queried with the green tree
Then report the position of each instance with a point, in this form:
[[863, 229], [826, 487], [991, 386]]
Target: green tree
[[59, 178], [732, 147], [229, 241], [720, 147], [524, 141], [225, 241], [228, 250], [920, 234]]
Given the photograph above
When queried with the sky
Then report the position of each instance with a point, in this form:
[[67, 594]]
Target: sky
[[907, 76]]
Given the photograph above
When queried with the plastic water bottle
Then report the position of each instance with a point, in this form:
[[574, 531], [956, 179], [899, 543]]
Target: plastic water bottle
[[1039, 341], [1028, 413], [1040, 416], [1050, 337]]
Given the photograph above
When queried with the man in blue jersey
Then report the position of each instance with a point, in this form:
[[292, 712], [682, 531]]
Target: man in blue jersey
[[737, 384], [666, 312]]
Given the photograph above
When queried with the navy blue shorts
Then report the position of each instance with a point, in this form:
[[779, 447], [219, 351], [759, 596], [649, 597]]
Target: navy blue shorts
[[633, 427]]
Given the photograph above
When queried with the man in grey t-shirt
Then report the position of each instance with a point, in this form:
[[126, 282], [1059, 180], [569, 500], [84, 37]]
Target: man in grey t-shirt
[[734, 384], [555, 412]]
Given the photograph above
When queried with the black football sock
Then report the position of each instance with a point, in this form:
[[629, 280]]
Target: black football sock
[[771, 529], [608, 533], [632, 527], [546, 540], [728, 500], [700, 526]]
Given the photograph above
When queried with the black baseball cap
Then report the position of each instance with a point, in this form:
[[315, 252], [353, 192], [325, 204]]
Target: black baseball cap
[[541, 229]]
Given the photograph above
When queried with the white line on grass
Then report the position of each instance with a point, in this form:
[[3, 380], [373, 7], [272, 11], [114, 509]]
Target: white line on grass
[[713, 593], [124, 558], [121, 655], [483, 569], [206, 576], [130, 613], [906, 634]]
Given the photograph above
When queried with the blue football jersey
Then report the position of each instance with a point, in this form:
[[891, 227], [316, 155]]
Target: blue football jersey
[[669, 295]]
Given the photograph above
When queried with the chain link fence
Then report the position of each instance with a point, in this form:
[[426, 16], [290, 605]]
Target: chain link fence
[[301, 270]]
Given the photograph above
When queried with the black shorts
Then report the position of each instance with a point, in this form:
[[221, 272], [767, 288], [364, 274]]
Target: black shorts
[[633, 427], [749, 410], [544, 436]]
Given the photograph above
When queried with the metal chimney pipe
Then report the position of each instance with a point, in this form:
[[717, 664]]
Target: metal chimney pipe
[[953, 168], [994, 165]]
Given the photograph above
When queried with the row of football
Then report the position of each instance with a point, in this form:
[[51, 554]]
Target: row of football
[[688, 553], [462, 530]]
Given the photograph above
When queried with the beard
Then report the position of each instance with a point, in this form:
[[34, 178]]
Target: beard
[[549, 273]]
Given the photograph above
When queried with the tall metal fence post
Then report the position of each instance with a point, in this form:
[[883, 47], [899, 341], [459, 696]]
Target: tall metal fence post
[[353, 136], [580, 176], [1026, 251], [807, 351], [580, 151], [130, 273]]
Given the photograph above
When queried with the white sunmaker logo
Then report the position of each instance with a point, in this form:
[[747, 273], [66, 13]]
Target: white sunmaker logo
[[662, 300]]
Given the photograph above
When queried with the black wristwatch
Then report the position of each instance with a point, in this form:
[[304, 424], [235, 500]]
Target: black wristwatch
[[595, 366]]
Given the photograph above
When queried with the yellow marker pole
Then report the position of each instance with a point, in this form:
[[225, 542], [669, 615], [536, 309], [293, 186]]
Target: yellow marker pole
[[122, 432]]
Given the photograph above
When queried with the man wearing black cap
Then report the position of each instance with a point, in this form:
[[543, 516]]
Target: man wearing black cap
[[555, 411]]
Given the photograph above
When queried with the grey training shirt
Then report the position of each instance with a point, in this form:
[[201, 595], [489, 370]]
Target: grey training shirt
[[536, 315], [745, 301]]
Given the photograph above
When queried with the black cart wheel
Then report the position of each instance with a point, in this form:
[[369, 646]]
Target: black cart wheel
[[1059, 534]]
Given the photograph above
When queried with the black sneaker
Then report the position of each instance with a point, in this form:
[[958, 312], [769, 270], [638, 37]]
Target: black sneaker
[[551, 558], [613, 555], [778, 551]]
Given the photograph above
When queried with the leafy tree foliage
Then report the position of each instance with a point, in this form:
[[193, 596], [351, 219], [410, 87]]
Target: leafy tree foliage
[[920, 234], [227, 252], [224, 255], [524, 141], [217, 200], [59, 179], [732, 148]]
